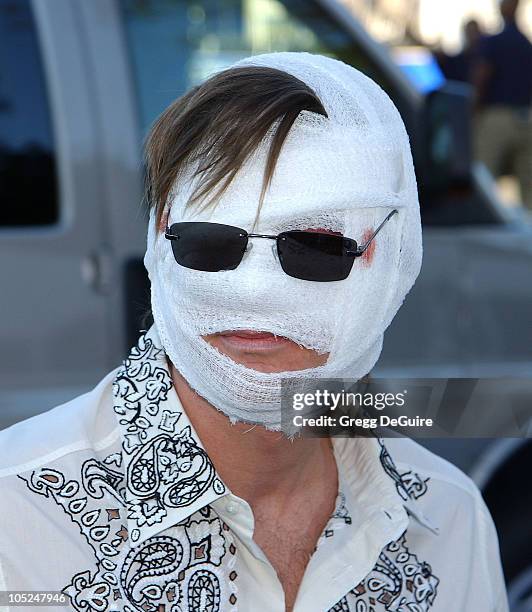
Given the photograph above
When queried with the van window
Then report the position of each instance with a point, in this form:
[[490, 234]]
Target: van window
[[28, 187], [176, 43]]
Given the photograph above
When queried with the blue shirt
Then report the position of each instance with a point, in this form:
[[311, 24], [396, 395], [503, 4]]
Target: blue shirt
[[509, 54]]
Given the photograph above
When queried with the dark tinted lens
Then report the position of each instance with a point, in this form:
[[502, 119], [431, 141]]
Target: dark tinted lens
[[209, 247], [315, 257]]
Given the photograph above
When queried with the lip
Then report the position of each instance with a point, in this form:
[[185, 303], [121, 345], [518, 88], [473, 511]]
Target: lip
[[252, 340]]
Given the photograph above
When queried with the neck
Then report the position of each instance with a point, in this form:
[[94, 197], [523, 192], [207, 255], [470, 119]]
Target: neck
[[256, 463]]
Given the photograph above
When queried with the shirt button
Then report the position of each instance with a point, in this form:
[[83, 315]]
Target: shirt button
[[231, 508]]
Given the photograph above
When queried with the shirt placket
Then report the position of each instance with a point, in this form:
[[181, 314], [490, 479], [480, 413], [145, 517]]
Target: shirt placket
[[348, 549], [259, 586]]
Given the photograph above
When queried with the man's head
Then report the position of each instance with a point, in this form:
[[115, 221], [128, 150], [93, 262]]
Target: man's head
[[472, 33], [318, 147], [508, 9]]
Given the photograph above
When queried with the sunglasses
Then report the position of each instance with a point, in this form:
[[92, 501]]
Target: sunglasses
[[312, 256]]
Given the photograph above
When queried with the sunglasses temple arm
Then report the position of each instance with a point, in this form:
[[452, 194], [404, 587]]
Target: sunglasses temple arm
[[360, 250]]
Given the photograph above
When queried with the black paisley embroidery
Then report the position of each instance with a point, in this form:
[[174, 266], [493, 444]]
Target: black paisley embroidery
[[194, 561], [341, 512], [160, 469], [204, 591], [409, 484], [164, 465], [338, 519], [415, 485], [341, 606], [177, 462], [399, 581], [99, 479]]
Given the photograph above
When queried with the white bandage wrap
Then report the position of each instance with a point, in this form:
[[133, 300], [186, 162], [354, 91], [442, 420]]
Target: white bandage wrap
[[343, 172]]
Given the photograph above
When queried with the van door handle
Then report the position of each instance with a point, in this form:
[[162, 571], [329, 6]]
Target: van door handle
[[97, 270]]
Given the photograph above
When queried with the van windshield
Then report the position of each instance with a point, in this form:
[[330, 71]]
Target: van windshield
[[174, 44]]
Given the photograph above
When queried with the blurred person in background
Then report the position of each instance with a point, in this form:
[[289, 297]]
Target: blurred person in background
[[503, 96], [460, 67]]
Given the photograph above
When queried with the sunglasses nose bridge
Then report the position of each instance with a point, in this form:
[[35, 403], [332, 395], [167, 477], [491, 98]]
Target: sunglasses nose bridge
[[249, 246]]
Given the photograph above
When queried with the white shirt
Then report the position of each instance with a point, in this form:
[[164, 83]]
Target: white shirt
[[112, 499]]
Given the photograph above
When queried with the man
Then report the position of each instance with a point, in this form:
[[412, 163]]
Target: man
[[284, 235], [460, 67], [503, 99]]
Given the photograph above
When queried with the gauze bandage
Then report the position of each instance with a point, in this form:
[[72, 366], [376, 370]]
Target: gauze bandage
[[343, 172]]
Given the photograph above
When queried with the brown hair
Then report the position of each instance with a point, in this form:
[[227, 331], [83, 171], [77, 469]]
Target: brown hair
[[219, 124]]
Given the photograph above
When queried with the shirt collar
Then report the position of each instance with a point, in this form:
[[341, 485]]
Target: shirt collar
[[374, 481], [168, 474]]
